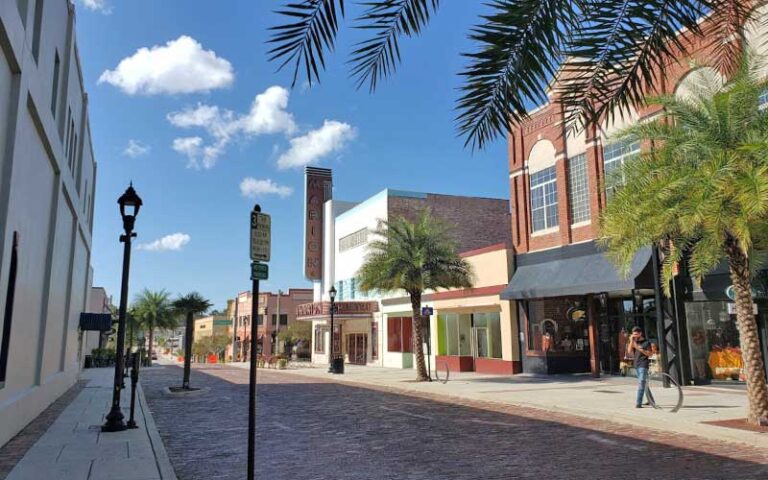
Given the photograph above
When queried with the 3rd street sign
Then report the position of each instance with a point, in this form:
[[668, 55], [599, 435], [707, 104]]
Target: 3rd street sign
[[261, 233]]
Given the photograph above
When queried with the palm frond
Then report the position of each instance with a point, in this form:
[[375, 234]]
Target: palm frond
[[311, 31], [615, 53], [377, 57], [520, 45], [728, 18]]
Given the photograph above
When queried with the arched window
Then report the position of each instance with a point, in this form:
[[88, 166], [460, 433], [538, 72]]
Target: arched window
[[541, 169]]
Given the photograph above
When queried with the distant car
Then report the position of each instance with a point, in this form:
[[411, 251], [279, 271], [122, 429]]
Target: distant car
[[154, 356]]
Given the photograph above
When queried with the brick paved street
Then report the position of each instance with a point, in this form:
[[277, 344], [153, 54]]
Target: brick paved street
[[314, 429]]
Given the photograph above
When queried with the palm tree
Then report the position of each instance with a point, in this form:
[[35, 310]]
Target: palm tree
[[414, 257], [701, 195], [190, 305], [613, 47], [152, 309]]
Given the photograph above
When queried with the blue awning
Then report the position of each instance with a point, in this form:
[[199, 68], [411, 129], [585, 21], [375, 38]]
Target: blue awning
[[100, 322], [578, 275]]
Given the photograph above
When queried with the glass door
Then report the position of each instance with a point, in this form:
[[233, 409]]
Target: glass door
[[481, 342], [357, 346]]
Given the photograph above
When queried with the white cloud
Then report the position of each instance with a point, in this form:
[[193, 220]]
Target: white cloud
[[174, 241], [267, 115], [252, 187], [179, 66], [189, 146], [309, 148], [135, 149], [97, 6]]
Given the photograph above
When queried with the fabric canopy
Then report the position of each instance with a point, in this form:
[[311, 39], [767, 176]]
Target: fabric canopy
[[577, 275]]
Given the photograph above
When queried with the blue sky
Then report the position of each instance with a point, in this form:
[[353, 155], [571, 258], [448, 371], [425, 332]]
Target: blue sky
[[402, 136]]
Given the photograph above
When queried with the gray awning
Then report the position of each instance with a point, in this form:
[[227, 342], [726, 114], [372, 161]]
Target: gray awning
[[578, 275], [100, 322]]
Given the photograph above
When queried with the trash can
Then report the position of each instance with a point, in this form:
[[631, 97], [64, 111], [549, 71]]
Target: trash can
[[338, 365]]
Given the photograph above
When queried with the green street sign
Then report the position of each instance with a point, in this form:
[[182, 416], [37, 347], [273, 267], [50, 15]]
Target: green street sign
[[259, 271]]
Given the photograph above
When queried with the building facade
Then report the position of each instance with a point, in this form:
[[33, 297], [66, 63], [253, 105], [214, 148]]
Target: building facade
[[280, 311], [575, 310], [47, 176], [375, 328], [470, 330], [213, 325]]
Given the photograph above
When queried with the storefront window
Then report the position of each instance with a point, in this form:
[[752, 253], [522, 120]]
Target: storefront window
[[399, 334], [454, 334], [558, 324], [713, 339], [320, 339]]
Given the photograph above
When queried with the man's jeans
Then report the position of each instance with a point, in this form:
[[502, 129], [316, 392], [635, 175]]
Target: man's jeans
[[642, 379]]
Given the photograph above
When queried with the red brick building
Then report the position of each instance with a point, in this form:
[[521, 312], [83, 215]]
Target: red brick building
[[573, 307], [280, 311]]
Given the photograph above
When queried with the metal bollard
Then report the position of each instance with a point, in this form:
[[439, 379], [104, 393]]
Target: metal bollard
[[134, 381]]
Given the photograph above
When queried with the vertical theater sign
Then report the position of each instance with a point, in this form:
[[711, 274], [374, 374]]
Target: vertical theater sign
[[317, 190]]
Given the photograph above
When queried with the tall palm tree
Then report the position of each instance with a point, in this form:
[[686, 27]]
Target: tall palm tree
[[701, 195], [414, 257], [190, 305], [151, 310], [613, 47]]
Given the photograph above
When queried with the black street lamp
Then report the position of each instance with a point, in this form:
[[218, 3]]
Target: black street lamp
[[130, 203], [331, 364]]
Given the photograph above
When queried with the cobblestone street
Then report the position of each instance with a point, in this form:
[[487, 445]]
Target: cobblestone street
[[314, 429]]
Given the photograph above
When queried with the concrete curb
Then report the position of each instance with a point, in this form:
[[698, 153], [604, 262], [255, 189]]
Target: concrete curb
[[161, 456]]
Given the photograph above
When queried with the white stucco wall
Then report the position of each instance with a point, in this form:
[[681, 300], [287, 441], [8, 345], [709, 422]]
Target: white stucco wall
[[41, 202], [364, 215]]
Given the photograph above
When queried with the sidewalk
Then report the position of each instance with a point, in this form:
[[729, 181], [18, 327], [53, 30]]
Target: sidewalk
[[607, 398], [74, 448]]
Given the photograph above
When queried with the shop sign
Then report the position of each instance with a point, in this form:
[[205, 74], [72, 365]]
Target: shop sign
[[317, 309], [732, 309], [757, 292]]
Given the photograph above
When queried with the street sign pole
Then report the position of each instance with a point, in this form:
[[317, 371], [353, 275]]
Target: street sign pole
[[252, 384], [261, 227], [426, 313]]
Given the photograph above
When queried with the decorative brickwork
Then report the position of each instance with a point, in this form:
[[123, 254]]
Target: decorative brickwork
[[547, 123]]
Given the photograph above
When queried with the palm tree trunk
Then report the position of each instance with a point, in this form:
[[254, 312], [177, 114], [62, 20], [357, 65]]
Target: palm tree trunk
[[421, 368], [187, 350], [151, 340], [757, 390]]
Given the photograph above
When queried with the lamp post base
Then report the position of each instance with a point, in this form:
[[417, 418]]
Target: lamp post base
[[115, 421]]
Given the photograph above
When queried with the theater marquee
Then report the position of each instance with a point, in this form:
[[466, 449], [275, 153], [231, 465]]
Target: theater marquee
[[323, 309]]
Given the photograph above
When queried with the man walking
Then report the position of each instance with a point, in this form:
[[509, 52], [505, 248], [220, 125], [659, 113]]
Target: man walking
[[640, 349]]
